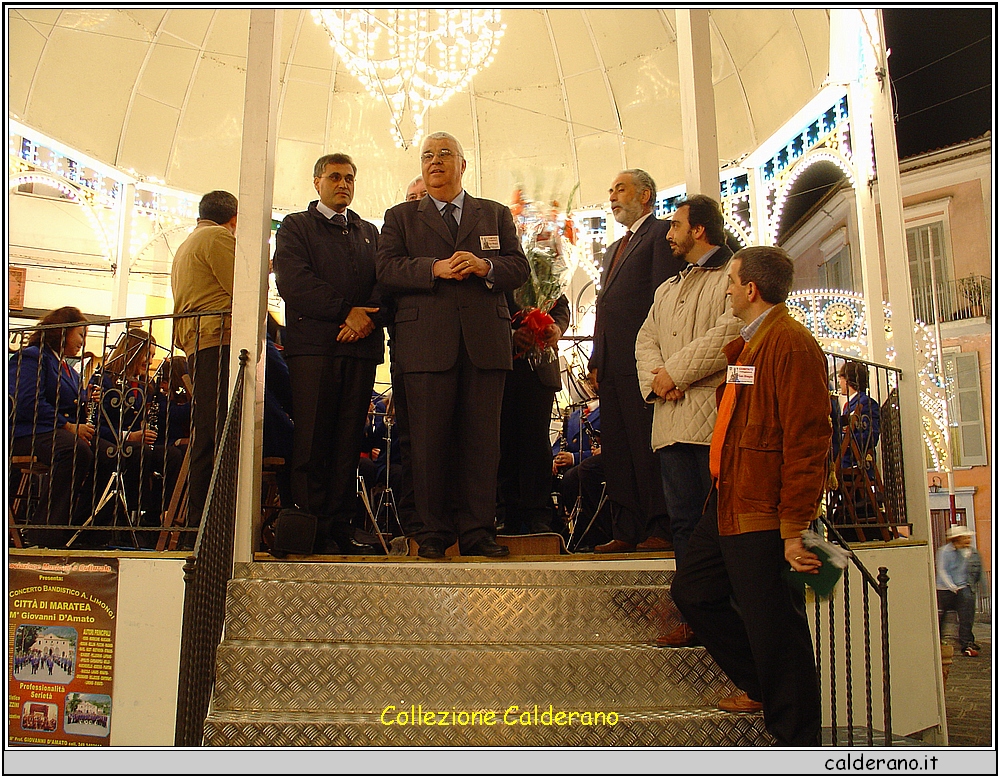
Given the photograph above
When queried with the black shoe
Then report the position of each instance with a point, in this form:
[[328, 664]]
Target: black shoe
[[352, 546], [486, 547], [432, 548]]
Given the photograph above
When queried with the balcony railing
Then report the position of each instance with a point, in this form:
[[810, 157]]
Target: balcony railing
[[963, 298]]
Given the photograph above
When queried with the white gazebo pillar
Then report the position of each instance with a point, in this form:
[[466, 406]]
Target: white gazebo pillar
[[253, 231], [899, 297], [698, 122], [123, 257]]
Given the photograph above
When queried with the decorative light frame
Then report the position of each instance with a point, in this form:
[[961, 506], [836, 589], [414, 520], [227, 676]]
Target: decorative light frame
[[412, 59]]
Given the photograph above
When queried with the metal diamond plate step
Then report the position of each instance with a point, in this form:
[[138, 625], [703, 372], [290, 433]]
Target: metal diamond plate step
[[634, 728], [418, 613], [351, 678], [459, 573]]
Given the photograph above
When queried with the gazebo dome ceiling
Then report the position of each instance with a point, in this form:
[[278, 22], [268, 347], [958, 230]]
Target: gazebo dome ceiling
[[574, 95]]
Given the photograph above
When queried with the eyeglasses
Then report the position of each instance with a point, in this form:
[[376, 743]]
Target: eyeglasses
[[444, 154], [335, 177]]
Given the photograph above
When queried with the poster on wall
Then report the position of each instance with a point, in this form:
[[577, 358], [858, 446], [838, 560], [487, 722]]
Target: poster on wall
[[61, 649]]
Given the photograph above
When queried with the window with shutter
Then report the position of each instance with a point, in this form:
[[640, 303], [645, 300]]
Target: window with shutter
[[965, 407]]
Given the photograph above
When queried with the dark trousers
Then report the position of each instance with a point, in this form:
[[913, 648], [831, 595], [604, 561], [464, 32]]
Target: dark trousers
[[330, 399], [455, 450], [209, 369], [963, 602], [753, 623], [525, 475], [686, 484], [70, 460], [631, 467]]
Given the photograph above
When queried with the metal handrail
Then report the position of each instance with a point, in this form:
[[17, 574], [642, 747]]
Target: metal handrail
[[206, 574], [880, 585]]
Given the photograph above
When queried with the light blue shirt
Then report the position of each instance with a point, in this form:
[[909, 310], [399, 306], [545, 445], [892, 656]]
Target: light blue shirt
[[751, 329], [459, 203]]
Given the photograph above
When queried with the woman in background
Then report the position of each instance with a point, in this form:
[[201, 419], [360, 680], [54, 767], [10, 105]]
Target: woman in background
[[50, 420]]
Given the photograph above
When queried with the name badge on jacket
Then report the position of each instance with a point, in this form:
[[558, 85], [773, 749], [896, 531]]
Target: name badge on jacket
[[489, 242], [740, 374]]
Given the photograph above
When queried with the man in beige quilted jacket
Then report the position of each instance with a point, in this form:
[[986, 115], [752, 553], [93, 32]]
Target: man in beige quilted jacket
[[679, 358]]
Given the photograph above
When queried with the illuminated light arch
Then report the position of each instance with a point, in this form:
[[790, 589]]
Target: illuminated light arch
[[836, 318], [821, 154], [75, 194]]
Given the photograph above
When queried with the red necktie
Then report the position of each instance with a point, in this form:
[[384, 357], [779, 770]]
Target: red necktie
[[621, 250]]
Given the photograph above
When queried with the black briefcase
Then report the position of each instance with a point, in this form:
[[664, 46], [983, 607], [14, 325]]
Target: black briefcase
[[294, 532]]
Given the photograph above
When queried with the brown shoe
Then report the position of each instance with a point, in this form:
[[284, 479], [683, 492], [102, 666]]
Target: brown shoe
[[614, 547], [741, 703], [655, 544], [680, 636]]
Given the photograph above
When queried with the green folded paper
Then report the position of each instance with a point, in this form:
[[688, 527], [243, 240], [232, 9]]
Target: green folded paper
[[822, 582]]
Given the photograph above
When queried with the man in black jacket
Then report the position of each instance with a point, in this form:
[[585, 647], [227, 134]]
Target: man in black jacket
[[324, 265]]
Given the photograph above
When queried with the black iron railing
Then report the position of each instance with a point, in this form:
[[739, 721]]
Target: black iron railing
[[98, 451], [962, 298], [868, 501], [844, 633], [206, 575]]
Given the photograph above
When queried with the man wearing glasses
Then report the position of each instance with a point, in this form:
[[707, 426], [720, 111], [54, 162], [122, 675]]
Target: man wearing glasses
[[324, 267], [447, 259]]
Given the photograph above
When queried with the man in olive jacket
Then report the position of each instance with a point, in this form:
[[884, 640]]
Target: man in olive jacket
[[768, 459], [324, 268]]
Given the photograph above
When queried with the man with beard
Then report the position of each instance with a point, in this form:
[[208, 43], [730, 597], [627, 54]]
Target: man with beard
[[634, 267]]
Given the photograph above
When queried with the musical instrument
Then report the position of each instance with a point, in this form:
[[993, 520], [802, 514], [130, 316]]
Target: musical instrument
[[594, 434], [564, 435]]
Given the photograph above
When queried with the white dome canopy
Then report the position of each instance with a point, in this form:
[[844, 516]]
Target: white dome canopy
[[574, 95]]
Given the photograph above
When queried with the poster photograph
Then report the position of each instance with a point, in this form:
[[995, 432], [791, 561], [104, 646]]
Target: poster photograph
[[61, 628]]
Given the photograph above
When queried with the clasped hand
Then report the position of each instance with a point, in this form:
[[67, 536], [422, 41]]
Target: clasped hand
[[664, 386], [357, 325], [460, 266]]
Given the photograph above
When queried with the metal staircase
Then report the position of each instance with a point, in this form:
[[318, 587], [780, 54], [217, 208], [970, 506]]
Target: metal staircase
[[359, 654]]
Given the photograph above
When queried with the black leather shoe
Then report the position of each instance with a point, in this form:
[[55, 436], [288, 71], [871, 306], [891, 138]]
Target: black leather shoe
[[352, 546], [432, 548], [486, 547]]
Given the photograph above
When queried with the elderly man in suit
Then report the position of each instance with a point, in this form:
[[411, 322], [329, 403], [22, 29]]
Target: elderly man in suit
[[448, 259], [634, 267]]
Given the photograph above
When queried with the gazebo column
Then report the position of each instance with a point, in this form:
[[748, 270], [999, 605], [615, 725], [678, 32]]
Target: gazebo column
[[253, 231], [123, 256], [900, 299], [698, 121]]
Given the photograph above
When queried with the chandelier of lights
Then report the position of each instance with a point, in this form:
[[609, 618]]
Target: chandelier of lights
[[412, 59]]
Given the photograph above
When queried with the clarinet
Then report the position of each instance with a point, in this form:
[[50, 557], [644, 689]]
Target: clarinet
[[595, 435], [563, 437]]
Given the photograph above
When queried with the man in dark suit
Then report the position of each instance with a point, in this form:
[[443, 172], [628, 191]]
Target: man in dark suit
[[324, 268], [448, 259], [634, 267], [525, 476]]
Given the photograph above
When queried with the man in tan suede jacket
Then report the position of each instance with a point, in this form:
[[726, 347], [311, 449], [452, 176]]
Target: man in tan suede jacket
[[768, 460]]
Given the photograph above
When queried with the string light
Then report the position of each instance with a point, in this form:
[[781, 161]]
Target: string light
[[836, 318], [412, 59], [75, 195]]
